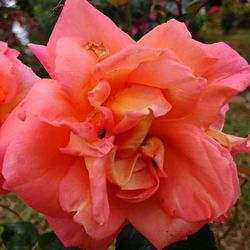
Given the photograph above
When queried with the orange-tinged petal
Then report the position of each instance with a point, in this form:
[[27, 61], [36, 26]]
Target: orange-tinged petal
[[117, 68], [113, 224], [99, 94], [175, 36], [200, 172], [128, 142], [233, 143], [154, 149], [74, 188], [119, 171], [81, 147], [133, 104], [179, 86], [31, 165], [81, 20], [50, 103], [159, 227], [142, 184], [208, 108], [98, 188], [239, 144], [72, 234]]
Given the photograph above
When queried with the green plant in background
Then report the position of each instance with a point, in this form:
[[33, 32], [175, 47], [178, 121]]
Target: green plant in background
[[229, 15]]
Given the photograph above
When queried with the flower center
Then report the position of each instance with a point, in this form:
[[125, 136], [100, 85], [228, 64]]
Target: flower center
[[99, 50]]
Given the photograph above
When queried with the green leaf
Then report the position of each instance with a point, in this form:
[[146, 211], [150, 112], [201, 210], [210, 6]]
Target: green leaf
[[19, 236], [117, 2], [49, 241], [130, 239], [203, 239]]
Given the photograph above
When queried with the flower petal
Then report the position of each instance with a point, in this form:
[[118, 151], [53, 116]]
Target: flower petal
[[98, 188], [74, 188], [79, 19], [32, 166], [50, 103], [200, 172], [157, 226], [74, 235], [40, 51], [73, 68], [133, 104], [175, 36], [230, 70], [179, 86]]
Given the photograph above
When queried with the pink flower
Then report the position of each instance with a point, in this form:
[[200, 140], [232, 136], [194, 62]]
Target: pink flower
[[125, 132], [15, 80]]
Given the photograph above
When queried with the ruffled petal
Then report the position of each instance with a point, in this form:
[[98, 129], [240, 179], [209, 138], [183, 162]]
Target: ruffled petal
[[208, 108], [74, 188], [98, 188], [230, 70], [132, 105], [128, 142], [202, 178], [157, 226], [50, 103], [74, 235], [180, 87], [117, 68], [79, 19], [31, 165], [111, 226], [175, 36], [234, 143]]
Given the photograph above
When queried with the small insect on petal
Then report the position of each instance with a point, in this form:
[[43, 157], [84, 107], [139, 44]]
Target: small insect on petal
[[102, 133]]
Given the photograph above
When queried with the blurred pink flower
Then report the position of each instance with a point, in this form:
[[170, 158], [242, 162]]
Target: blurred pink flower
[[15, 81], [125, 132]]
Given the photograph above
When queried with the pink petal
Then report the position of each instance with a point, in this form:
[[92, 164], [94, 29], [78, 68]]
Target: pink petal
[[119, 171], [75, 196], [117, 68], [175, 36], [142, 184], [80, 20], [180, 87], [202, 178], [219, 123], [128, 142], [230, 70], [81, 147], [50, 103], [40, 51], [74, 235], [98, 188], [74, 188], [73, 68], [239, 144], [111, 226], [208, 108], [31, 165], [157, 226]]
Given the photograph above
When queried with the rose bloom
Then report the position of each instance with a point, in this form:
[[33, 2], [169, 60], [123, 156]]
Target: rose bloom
[[126, 132]]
